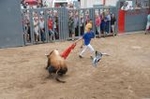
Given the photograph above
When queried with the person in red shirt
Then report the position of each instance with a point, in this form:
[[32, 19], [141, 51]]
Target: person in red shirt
[[50, 29], [97, 24]]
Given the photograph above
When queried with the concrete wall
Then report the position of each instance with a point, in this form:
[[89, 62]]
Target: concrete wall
[[90, 3], [135, 20], [10, 24]]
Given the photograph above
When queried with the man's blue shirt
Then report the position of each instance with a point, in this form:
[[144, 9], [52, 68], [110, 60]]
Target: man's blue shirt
[[87, 37]]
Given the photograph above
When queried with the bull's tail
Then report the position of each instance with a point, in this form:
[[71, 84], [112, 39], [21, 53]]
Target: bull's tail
[[56, 76]]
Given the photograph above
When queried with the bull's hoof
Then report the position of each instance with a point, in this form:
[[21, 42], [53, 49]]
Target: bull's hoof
[[60, 80]]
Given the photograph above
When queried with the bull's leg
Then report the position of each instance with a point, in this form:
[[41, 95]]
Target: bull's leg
[[62, 71], [57, 75], [48, 64], [52, 69]]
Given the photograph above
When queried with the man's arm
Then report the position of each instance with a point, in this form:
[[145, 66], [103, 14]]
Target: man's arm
[[78, 40]]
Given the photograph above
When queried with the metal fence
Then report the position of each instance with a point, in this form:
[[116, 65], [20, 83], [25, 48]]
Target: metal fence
[[51, 24]]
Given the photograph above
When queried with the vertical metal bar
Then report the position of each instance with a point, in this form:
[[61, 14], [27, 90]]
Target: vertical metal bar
[[23, 27], [62, 21], [93, 17], [31, 25], [66, 20], [104, 2], [59, 23], [46, 24], [39, 15], [78, 22], [84, 19], [60, 14]]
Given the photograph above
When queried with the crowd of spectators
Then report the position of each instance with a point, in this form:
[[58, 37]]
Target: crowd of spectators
[[128, 5], [103, 23]]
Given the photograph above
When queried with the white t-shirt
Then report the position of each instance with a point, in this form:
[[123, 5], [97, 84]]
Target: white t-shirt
[[125, 8], [41, 24]]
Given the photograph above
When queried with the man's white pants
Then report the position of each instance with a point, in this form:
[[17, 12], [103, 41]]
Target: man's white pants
[[87, 47]]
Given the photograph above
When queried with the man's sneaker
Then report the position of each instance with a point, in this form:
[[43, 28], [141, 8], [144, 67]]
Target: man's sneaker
[[80, 56]]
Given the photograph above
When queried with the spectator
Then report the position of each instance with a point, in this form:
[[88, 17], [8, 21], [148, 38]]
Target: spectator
[[148, 24], [138, 6], [42, 29], [55, 27], [71, 27], [103, 23], [97, 24], [108, 24], [50, 28], [76, 24], [125, 6], [113, 23], [27, 31], [36, 28], [81, 25]]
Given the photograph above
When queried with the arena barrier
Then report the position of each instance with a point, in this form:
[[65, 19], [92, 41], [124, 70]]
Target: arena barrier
[[59, 20], [132, 20]]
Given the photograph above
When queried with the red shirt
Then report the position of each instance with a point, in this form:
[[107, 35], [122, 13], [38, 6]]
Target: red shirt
[[98, 21], [50, 24]]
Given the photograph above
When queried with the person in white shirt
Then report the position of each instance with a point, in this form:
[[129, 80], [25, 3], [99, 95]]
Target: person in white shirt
[[125, 6], [42, 28], [36, 28]]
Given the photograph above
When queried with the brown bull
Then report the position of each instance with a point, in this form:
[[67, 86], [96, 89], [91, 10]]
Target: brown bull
[[56, 65]]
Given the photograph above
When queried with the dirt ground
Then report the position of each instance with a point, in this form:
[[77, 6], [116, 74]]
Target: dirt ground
[[125, 74]]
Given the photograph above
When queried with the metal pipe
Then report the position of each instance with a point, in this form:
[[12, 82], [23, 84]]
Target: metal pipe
[[104, 2]]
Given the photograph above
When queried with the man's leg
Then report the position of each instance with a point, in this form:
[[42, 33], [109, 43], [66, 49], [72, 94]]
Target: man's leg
[[84, 49], [91, 50]]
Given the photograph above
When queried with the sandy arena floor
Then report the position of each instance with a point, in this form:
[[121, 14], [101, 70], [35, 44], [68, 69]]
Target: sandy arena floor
[[125, 74]]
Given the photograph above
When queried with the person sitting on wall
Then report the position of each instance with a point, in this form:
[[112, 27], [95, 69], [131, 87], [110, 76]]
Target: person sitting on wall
[[125, 6]]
